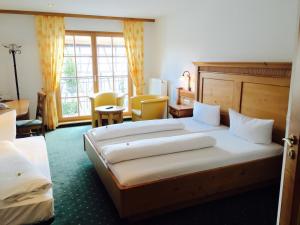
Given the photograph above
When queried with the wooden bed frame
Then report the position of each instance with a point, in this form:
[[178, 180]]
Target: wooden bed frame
[[255, 89]]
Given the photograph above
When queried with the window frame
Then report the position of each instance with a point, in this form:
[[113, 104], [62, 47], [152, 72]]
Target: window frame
[[93, 35]]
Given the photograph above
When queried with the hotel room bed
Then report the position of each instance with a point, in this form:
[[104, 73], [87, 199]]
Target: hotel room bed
[[136, 184], [147, 186], [39, 208]]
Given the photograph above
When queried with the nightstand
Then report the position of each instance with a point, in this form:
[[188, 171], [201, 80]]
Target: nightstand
[[178, 111]]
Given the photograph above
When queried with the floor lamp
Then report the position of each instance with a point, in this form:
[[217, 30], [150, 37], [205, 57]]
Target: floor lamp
[[15, 49]]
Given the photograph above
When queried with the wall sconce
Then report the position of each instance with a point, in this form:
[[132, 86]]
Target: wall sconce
[[188, 75], [14, 49]]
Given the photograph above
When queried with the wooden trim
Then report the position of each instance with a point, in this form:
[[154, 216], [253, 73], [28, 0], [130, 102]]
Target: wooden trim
[[271, 69], [43, 13], [71, 119], [95, 33], [66, 123], [274, 65], [94, 60], [58, 104], [130, 94]]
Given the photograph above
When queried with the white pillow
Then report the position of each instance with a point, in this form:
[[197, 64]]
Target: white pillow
[[8, 126], [254, 130], [209, 114]]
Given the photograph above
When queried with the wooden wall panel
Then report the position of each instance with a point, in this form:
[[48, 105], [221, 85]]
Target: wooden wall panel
[[266, 102], [218, 92], [258, 90]]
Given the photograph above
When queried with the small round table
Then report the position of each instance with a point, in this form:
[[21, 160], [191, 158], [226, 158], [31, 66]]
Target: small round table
[[112, 112]]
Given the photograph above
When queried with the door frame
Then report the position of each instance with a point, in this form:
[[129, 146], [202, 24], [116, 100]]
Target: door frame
[[288, 219]]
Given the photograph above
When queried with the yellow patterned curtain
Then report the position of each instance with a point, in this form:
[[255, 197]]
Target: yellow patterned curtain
[[51, 37], [134, 42]]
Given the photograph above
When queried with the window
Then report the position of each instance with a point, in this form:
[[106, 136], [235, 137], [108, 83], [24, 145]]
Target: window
[[76, 84], [112, 64], [93, 62]]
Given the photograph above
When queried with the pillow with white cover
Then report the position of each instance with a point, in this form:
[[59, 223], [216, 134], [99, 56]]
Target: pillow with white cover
[[258, 131], [8, 126], [209, 114], [19, 178]]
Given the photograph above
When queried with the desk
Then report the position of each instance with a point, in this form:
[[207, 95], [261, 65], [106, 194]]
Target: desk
[[112, 112], [21, 106]]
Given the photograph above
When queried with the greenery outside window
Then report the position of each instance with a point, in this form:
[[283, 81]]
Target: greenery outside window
[[93, 62]]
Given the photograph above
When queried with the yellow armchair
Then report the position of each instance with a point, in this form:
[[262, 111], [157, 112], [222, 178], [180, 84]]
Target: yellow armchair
[[148, 107], [104, 98]]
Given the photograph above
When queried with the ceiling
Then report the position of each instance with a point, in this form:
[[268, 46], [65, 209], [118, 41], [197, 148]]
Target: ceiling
[[126, 8]]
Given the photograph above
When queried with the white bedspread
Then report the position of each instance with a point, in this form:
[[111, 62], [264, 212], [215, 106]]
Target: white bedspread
[[227, 151], [19, 178], [116, 153], [133, 128]]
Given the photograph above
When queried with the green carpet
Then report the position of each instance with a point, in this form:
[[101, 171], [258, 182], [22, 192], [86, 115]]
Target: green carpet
[[81, 199]]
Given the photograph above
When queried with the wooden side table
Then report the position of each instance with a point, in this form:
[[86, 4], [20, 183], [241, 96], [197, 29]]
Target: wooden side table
[[112, 112], [178, 111], [21, 106]]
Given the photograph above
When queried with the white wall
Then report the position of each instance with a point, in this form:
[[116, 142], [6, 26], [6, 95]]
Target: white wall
[[207, 30], [231, 30], [20, 29]]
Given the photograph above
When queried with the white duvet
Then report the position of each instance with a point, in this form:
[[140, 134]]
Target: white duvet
[[134, 128], [116, 153], [19, 178]]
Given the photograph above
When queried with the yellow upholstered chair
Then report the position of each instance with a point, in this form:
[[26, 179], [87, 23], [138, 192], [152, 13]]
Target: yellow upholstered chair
[[104, 98], [148, 107]]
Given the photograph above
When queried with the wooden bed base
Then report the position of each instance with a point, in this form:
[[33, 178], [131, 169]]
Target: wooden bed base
[[255, 89]]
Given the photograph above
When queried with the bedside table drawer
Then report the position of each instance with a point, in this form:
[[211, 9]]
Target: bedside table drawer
[[178, 112], [174, 112]]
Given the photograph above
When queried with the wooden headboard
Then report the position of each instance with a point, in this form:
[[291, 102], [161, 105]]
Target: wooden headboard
[[258, 90]]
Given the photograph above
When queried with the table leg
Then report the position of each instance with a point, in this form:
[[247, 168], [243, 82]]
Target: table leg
[[110, 118], [99, 120], [121, 117]]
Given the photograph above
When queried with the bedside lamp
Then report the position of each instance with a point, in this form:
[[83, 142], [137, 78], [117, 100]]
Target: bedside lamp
[[188, 75]]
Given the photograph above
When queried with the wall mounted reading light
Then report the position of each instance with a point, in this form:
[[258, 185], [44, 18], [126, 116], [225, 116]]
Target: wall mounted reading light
[[188, 75], [14, 49]]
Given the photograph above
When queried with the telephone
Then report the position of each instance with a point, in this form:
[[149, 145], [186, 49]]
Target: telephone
[[3, 106]]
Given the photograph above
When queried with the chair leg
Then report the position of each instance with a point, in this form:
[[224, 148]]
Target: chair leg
[[43, 130]]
